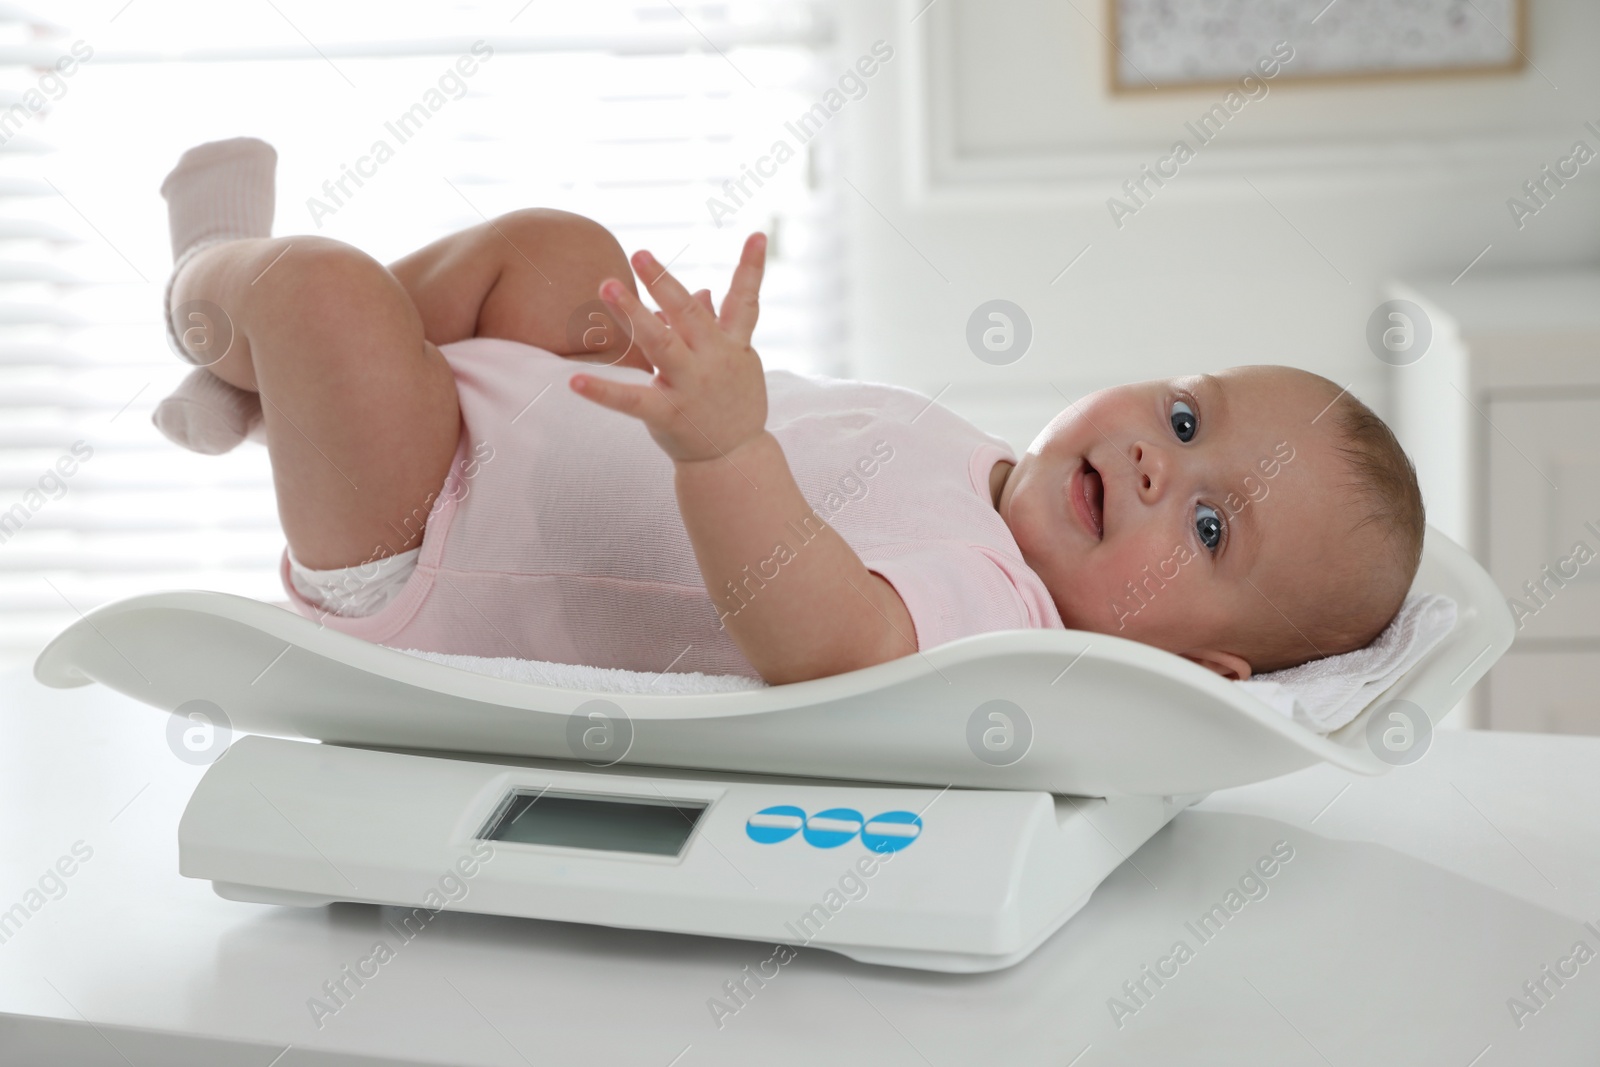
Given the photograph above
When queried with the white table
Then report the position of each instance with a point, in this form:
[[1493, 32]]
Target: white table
[[1414, 906]]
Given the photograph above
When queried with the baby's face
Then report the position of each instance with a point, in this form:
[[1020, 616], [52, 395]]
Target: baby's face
[[1172, 512]]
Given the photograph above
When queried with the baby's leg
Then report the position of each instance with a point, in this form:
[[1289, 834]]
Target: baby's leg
[[531, 276], [360, 409]]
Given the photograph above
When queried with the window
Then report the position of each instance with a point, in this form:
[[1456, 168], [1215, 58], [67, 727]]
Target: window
[[632, 113]]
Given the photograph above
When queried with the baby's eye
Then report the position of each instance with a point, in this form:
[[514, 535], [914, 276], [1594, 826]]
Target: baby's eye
[[1183, 421], [1209, 525]]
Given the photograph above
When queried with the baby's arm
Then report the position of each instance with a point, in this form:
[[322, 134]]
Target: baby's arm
[[820, 612], [797, 610]]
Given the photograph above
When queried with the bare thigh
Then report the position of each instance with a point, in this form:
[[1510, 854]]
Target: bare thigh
[[532, 276], [361, 412]]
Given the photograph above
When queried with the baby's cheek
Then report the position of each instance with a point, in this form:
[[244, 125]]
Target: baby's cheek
[[1036, 533]]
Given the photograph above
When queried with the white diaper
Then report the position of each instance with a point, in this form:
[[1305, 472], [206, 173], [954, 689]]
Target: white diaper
[[354, 592]]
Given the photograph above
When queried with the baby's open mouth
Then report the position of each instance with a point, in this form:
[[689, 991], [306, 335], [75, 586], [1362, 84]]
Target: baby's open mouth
[[1090, 503]]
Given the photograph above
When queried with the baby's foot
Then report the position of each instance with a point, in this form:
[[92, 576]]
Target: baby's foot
[[219, 191], [205, 414]]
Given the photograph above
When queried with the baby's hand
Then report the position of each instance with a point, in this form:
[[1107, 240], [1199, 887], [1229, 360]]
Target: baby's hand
[[709, 394]]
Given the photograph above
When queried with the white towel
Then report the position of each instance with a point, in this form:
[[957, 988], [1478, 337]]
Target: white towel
[[1321, 695], [1325, 694]]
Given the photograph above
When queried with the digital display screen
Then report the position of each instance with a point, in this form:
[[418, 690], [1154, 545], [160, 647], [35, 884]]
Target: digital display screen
[[656, 827]]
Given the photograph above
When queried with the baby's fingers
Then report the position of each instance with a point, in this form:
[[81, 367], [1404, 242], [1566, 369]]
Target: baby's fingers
[[686, 315], [704, 296], [741, 307], [639, 401], [661, 346]]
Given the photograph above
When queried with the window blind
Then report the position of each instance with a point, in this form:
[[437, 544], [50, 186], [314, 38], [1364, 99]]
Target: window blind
[[635, 114]]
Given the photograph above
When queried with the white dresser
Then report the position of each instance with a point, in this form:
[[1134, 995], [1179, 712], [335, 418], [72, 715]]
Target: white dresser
[[1502, 416]]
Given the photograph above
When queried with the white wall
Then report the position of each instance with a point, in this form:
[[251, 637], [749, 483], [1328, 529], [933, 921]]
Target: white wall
[[991, 145]]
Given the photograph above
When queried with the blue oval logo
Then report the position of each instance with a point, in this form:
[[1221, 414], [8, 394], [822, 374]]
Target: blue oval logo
[[891, 831], [778, 823], [832, 828]]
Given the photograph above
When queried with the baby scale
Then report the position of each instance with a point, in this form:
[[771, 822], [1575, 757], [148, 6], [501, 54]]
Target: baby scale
[[947, 811]]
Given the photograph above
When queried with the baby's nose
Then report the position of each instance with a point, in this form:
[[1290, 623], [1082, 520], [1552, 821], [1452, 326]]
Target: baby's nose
[[1150, 463]]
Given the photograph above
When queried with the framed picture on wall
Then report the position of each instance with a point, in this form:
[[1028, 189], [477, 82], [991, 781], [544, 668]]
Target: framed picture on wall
[[1177, 44]]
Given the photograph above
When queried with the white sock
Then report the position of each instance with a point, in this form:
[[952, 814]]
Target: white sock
[[207, 415], [219, 191]]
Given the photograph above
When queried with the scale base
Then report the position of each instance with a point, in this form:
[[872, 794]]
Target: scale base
[[260, 894], [975, 879], [916, 959]]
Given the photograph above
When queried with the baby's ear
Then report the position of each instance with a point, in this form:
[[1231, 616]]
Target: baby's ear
[[1232, 667]]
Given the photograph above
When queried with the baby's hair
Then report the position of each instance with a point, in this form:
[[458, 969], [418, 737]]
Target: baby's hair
[[1382, 485], [1386, 479]]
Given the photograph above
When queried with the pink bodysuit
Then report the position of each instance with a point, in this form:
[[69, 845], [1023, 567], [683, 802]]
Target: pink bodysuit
[[557, 536]]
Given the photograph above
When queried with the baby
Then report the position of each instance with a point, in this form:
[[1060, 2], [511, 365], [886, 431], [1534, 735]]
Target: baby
[[473, 454]]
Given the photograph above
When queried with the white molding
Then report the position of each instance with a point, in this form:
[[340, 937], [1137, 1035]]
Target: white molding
[[914, 154], [936, 177]]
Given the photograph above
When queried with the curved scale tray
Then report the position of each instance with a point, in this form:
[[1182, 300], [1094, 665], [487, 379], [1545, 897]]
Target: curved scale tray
[[1106, 715]]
